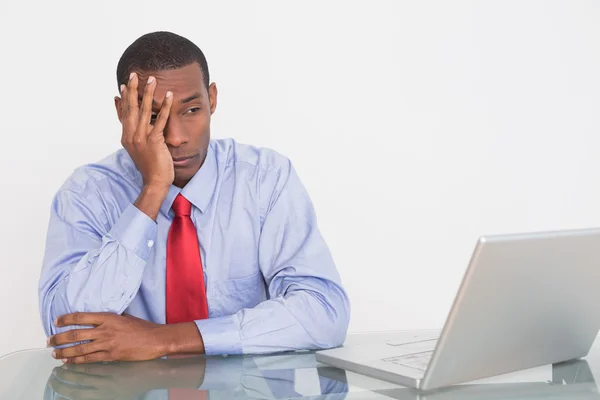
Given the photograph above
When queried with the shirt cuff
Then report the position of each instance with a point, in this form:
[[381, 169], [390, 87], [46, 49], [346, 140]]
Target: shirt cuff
[[220, 335], [135, 231]]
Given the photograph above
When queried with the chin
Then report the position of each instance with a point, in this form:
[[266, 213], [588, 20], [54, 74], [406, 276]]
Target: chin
[[183, 178], [185, 175]]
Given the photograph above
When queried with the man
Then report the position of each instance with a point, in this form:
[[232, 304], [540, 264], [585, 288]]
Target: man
[[179, 243]]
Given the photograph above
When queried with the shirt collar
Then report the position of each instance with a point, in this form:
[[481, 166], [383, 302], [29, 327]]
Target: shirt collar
[[200, 189]]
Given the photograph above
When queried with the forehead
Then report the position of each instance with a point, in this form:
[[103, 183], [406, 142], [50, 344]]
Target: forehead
[[180, 81]]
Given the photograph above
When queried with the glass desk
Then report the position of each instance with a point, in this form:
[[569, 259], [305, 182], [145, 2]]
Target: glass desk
[[33, 374]]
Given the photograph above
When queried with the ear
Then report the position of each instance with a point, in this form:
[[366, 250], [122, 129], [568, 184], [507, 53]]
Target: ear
[[118, 107], [212, 97]]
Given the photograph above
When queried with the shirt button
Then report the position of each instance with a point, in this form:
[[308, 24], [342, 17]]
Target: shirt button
[[150, 243]]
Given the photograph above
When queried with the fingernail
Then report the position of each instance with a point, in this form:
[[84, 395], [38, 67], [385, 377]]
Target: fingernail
[[56, 322], [131, 75], [48, 341], [64, 360], [150, 80], [122, 88], [169, 94], [54, 354]]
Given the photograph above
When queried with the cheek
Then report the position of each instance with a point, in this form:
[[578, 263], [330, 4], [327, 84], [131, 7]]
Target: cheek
[[198, 126]]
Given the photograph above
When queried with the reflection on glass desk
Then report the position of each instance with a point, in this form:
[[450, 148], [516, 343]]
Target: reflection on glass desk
[[33, 374]]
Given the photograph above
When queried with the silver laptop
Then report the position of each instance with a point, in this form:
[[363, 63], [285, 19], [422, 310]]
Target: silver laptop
[[526, 300]]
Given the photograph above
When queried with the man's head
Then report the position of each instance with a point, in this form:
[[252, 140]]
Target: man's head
[[179, 66]]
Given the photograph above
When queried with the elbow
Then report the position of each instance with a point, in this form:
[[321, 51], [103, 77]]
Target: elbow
[[47, 327], [330, 330], [339, 327], [45, 310], [47, 314], [53, 303], [333, 337]]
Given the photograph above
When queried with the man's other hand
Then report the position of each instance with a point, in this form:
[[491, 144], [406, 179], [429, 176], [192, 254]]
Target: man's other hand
[[113, 338]]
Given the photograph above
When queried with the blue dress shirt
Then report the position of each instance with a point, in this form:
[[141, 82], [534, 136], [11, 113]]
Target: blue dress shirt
[[270, 279]]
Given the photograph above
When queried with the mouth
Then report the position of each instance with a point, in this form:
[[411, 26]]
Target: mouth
[[185, 161]]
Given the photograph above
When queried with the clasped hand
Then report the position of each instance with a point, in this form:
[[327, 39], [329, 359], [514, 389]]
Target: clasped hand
[[111, 337]]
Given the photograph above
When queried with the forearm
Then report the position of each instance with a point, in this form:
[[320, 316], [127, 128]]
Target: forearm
[[86, 274], [150, 200], [100, 287], [314, 317]]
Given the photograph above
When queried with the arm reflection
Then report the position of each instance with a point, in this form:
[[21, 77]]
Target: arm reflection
[[217, 377]]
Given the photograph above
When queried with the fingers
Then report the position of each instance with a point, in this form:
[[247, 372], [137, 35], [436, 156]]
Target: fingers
[[73, 392], [98, 356], [163, 115], [81, 378], [123, 93], [81, 350], [82, 318], [129, 109], [99, 370], [72, 336], [146, 109], [132, 95]]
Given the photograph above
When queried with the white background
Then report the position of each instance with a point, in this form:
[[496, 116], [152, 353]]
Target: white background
[[416, 127]]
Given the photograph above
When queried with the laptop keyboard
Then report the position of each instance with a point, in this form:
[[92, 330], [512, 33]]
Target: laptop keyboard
[[418, 338], [418, 361], [405, 349]]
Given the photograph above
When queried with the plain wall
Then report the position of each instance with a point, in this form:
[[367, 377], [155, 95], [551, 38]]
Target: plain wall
[[415, 125]]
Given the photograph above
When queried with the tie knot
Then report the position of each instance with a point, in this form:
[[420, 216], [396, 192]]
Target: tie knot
[[182, 206]]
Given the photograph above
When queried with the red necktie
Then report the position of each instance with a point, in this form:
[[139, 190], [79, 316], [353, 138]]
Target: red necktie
[[185, 290]]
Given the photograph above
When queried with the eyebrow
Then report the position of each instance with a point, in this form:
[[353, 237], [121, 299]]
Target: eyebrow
[[194, 96]]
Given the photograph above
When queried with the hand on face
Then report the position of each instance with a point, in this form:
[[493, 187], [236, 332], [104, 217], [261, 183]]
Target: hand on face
[[144, 139], [182, 123]]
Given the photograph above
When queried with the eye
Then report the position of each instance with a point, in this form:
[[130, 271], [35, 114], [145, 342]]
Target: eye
[[153, 118], [193, 110]]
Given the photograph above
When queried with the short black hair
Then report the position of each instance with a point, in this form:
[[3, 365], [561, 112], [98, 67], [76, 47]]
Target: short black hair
[[160, 51]]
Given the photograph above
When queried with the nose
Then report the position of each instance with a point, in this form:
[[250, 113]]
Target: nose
[[175, 134]]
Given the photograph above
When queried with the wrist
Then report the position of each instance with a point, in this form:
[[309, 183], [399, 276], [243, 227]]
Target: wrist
[[181, 338], [156, 189], [166, 341], [151, 198]]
